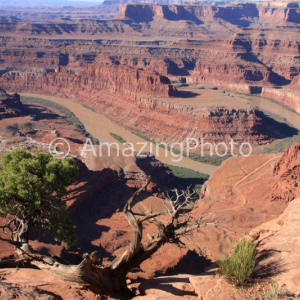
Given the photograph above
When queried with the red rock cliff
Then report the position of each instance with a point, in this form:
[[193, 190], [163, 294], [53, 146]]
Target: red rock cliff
[[125, 95], [287, 173], [116, 79], [285, 96], [254, 56], [242, 14]]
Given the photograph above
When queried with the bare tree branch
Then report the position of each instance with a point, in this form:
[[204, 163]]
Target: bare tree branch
[[137, 229], [112, 277]]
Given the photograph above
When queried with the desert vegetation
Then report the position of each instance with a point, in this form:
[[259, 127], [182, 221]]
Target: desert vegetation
[[32, 185], [118, 138], [213, 71], [239, 268], [189, 178]]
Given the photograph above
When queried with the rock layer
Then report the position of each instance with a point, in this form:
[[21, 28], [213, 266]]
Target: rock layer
[[279, 239], [287, 174], [250, 58], [284, 96], [242, 14], [120, 93], [254, 56], [115, 79]]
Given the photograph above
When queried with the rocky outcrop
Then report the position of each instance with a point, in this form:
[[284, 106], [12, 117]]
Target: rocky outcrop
[[210, 287], [254, 56], [120, 93], [280, 180], [10, 105], [279, 240], [171, 12], [295, 84], [232, 76], [287, 174], [26, 283], [97, 78], [162, 178], [242, 191], [242, 14], [284, 96]]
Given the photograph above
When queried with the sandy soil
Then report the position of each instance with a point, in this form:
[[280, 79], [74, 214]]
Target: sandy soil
[[206, 98]]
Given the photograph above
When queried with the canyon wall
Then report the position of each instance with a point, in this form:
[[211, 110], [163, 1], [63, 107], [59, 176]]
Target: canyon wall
[[171, 12], [242, 14], [201, 20], [125, 95], [284, 96], [287, 173], [97, 78], [277, 12], [251, 57]]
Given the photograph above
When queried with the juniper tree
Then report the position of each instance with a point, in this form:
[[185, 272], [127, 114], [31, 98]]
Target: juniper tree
[[32, 185], [31, 188]]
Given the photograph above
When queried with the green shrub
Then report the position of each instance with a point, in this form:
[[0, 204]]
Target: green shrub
[[118, 138], [239, 268], [275, 292], [188, 177]]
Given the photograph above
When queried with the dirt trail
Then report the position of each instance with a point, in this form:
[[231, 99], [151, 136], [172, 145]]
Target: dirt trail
[[244, 200]]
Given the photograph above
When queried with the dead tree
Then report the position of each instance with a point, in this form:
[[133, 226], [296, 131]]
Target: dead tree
[[111, 279]]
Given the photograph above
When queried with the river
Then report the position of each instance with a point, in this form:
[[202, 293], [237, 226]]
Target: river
[[278, 109], [100, 127]]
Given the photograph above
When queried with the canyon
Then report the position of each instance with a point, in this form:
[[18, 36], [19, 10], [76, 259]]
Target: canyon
[[110, 185], [163, 72], [131, 97], [261, 58]]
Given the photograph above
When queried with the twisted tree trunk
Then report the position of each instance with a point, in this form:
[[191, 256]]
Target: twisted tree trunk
[[111, 279], [100, 279]]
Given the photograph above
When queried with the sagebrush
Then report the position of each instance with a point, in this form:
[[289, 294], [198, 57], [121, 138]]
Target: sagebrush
[[239, 268]]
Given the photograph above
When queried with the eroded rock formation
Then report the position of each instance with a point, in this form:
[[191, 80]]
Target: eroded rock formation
[[242, 14], [279, 239], [10, 105], [125, 95], [284, 96], [241, 60], [254, 56], [287, 174], [97, 78]]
